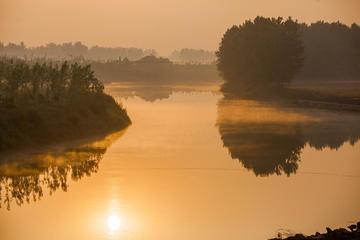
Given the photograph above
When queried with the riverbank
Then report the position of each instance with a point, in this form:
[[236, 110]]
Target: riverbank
[[352, 233], [44, 102], [333, 97], [75, 117]]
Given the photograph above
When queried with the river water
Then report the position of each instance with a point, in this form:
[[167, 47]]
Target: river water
[[193, 165]]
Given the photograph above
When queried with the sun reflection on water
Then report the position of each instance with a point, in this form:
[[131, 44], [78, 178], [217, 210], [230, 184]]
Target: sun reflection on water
[[113, 223]]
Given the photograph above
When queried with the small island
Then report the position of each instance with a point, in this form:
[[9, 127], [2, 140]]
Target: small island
[[44, 102]]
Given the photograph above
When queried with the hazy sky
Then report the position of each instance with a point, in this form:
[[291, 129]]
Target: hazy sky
[[160, 24]]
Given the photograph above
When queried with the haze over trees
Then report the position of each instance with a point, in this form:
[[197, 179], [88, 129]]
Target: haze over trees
[[73, 50], [332, 52], [264, 53], [267, 53], [187, 55], [152, 69]]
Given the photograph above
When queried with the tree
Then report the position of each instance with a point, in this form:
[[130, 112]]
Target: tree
[[24, 81], [325, 44], [263, 54]]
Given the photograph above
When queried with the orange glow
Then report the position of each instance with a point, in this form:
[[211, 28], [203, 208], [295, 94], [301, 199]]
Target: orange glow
[[160, 24]]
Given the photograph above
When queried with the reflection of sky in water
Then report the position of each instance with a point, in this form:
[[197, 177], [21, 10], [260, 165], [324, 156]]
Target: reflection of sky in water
[[170, 177]]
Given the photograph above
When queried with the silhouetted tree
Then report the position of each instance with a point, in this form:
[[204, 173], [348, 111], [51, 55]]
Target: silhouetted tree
[[21, 81], [264, 53]]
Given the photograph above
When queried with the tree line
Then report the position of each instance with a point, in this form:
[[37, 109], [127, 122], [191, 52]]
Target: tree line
[[72, 50], [152, 69], [42, 102], [264, 53], [34, 82], [267, 53], [331, 51], [187, 55]]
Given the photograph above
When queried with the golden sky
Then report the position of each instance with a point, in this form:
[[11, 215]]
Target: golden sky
[[164, 25]]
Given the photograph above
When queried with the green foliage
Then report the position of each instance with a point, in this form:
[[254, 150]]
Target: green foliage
[[264, 53], [24, 82], [47, 102]]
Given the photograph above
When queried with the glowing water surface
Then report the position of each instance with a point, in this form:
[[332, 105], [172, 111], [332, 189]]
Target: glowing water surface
[[196, 166]]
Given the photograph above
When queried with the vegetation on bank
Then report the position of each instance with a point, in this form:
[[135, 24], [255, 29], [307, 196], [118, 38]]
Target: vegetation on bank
[[48, 102], [265, 49], [260, 58], [261, 54], [331, 52]]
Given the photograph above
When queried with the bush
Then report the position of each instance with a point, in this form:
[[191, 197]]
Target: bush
[[45, 103]]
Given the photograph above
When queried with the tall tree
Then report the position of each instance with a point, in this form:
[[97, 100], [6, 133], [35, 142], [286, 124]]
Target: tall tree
[[264, 53]]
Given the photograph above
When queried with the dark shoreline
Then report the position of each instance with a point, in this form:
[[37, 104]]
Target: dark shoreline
[[79, 117], [352, 233], [328, 105], [303, 98], [318, 99]]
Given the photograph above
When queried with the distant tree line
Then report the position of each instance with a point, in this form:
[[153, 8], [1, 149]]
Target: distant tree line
[[152, 69], [268, 53], [35, 82], [72, 50], [187, 55]]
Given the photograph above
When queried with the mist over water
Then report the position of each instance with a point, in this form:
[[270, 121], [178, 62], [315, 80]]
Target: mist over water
[[197, 166]]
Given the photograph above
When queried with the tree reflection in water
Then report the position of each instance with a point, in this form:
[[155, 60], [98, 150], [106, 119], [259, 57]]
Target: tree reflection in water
[[265, 149], [153, 91], [26, 177], [269, 139]]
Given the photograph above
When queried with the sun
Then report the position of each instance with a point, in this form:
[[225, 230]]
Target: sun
[[113, 223]]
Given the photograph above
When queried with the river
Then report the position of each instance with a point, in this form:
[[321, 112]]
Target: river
[[193, 166]]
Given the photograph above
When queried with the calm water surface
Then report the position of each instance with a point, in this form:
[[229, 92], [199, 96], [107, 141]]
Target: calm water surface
[[192, 166]]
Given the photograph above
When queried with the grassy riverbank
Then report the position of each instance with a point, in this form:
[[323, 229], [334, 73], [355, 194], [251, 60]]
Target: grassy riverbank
[[46, 103], [337, 95]]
